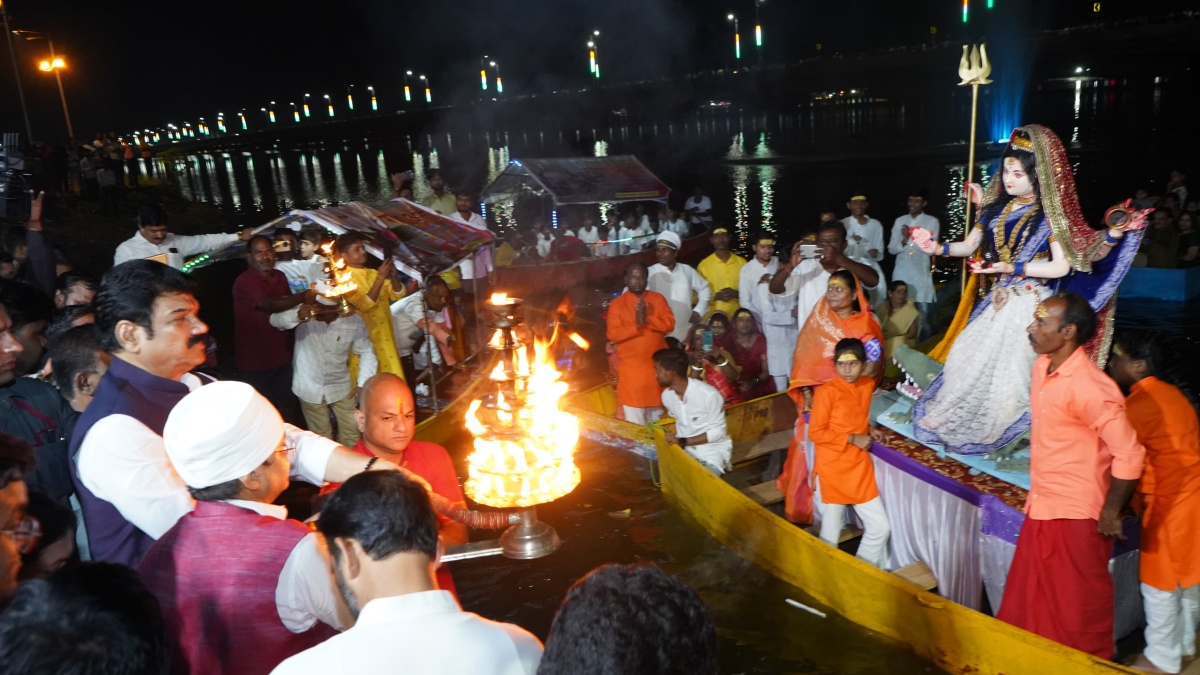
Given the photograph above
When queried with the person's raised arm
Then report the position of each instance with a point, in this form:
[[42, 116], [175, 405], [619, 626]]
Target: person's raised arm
[[778, 282], [39, 252]]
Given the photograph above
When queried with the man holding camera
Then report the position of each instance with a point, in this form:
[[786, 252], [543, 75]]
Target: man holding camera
[[806, 273]]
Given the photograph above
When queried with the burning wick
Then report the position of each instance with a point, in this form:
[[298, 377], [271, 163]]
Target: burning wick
[[499, 299], [578, 340]]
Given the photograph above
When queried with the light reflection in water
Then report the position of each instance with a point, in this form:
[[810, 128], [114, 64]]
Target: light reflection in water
[[1078, 94]]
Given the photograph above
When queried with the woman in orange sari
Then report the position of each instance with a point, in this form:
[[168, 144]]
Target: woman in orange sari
[[843, 313]]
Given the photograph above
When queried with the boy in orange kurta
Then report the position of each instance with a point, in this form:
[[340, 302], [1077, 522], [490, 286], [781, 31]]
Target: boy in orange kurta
[[1168, 497], [638, 322], [839, 429]]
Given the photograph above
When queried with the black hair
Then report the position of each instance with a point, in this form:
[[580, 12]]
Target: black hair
[[1078, 313], [1028, 164], [312, 233], [25, 303], [742, 310], [56, 519], [385, 512], [64, 319], [151, 215], [896, 283], [630, 619], [220, 492], [672, 360], [16, 459], [75, 351], [636, 264], [851, 282], [127, 293], [71, 278], [433, 173], [1162, 353], [94, 618], [826, 225], [285, 232], [850, 345], [435, 280], [720, 316], [346, 240], [263, 237]]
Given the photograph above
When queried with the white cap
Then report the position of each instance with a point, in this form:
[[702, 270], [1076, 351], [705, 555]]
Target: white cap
[[221, 432], [669, 238]]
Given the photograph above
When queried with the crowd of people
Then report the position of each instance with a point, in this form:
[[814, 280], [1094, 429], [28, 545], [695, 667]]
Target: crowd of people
[[1172, 240]]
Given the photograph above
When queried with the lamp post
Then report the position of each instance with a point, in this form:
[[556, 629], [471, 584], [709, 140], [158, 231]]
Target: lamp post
[[499, 83], [306, 115], [594, 54], [758, 40], [350, 97], [374, 103], [55, 64], [483, 72], [407, 91], [295, 113], [16, 73], [428, 95], [737, 38], [329, 104], [242, 117], [220, 123]]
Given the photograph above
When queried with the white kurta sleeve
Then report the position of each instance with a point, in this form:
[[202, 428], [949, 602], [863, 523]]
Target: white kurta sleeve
[[714, 412], [702, 289], [123, 462], [285, 320], [311, 454], [875, 240], [894, 245], [304, 594], [368, 364], [202, 243]]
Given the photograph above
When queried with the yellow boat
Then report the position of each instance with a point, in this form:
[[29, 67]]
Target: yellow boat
[[954, 637]]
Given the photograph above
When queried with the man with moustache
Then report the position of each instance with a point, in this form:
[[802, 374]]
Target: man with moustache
[[1085, 461], [773, 313], [130, 494], [638, 323], [864, 234], [808, 278], [677, 282]]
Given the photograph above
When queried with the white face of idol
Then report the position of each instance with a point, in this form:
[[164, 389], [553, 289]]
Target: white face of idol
[[1016, 181]]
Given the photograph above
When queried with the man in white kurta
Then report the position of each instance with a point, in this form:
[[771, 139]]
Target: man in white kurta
[[808, 278], [772, 312], [154, 240], [914, 266], [864, 234], [677, 282], [698, 410]]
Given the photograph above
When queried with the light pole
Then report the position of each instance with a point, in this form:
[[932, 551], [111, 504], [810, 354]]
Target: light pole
[[16, 73], [350, 97], [295, 113], [594, 54], [483, 72], [737, 38], [306, 115], [329, 104], [428, 95], [499, 82], [407, 91], [758, 32], [55, 64], [220, 123], [242, 117], [374, 104]]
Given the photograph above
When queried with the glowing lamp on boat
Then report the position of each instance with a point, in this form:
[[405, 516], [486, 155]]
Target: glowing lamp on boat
[[337, 285], [524, 442]]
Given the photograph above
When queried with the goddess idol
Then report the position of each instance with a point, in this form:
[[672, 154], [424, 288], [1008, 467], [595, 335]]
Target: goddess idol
[[1034, 242]]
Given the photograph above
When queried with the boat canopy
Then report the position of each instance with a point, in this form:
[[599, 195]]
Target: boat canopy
[[420, 240], [578, 180]]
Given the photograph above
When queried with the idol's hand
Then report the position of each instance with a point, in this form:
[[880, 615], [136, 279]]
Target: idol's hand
[[977, 267], [974, 192], [923, 238], [1122, 218]]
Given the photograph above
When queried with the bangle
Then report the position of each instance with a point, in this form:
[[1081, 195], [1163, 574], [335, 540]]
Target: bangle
[[681, 441], [370, 463], [1109, 239], [698, 369], [723, 363], [1019, 269], [945, 248]]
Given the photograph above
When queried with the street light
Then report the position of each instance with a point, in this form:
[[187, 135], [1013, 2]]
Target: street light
[[737, 38], [242, 117], [483, 72], [220, 125], [329, 104], [295, 113], [374, 104], [54, 64], [306, 115], [407, 92], [758, 32], [594, 53], [499, 83], [350, 96], [428, 95]]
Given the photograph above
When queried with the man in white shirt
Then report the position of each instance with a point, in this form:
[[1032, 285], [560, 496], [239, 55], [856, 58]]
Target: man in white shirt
[[677, 282], [808, 278], [320, 370], [241, 586], [669, 221], [297, 259], [698, 409], [130, 494], [479, 266], [545, 239], [590, 234], [152, 239], [864, 234], [382, 537], [637, 232], [772, 312], [416, 316], [913, 265], [698, 209]]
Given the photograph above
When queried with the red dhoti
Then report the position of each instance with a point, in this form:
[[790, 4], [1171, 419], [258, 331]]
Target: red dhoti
[[1059, 585]]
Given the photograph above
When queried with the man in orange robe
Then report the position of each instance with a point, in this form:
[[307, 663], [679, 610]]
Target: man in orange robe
[[1168, 497], [842, 469], [638, 322]]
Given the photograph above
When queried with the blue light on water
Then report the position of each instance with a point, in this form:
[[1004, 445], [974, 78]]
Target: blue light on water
[[1010, 51]]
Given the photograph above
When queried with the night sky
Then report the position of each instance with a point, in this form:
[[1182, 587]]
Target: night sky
[[138, 63]]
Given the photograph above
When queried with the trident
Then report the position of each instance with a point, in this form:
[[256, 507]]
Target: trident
[[974, 69]]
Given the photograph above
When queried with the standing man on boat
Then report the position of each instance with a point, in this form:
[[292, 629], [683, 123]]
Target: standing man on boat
[[1085, 461], [441, 200], [721, 270], [913, 265], [377, 290], [638, 322], [864, 234], [698, 208], [773, 313], [153, 240], [475, 271], [677, 282], [807, 277]]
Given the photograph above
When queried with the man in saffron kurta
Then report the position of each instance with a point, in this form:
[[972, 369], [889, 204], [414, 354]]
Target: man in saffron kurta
[[1085, 460], [638, 322], [842, 469], [1168, 497], [373, 299]]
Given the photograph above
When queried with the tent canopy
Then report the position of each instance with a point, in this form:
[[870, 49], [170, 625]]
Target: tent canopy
[[578, 180]]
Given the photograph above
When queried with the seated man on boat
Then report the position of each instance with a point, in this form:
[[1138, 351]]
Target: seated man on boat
[[638, 322], [843, 473], [698, 409], [630, 619], [1146, 367], [1085, 460]]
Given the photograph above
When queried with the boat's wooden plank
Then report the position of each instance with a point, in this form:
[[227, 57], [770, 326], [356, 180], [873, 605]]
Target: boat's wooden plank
[[745, 451], [764, 494], [918, 574], [848, 532]]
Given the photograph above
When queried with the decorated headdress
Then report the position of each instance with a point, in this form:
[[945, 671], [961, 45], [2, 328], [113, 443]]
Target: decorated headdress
[[1059, 201]]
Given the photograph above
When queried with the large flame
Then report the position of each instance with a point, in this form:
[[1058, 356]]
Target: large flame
[[524, 448]]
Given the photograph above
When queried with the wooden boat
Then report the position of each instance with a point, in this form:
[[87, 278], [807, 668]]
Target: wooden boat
[[527, 281], [899, 605]]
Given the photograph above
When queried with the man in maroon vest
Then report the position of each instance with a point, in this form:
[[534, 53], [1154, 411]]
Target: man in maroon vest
[[242, 588]]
